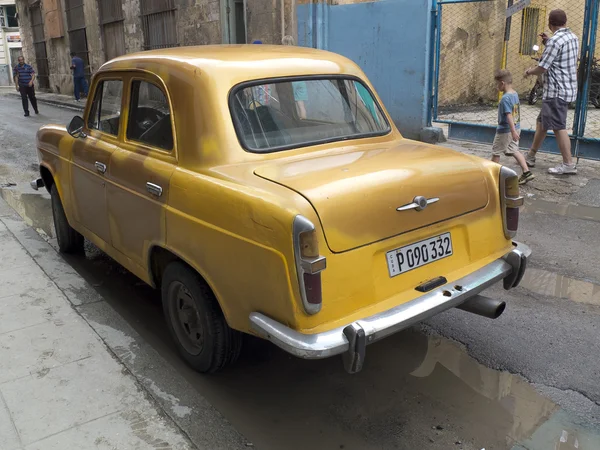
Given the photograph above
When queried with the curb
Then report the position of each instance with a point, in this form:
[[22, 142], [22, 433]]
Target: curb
[[58, 103]]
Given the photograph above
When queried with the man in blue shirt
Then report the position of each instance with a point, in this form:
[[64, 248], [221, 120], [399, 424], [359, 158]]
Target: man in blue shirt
[[79, 81], [24, 76]]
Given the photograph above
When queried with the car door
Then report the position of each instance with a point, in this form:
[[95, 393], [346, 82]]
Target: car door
[[140, 170], [91, 155]]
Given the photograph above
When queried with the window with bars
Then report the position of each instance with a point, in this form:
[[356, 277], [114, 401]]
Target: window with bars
[[10, 13], [77, 34], [39, 46], [113, 31], [159, 24], [530, 22]]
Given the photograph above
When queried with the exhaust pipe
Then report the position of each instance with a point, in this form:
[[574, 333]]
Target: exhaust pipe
[[484, 306]]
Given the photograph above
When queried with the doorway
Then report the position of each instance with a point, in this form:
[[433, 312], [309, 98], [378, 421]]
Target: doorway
[[14, 54], [234, 25]]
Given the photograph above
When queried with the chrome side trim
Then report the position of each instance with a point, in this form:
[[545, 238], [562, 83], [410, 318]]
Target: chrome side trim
[[379, 326], [303, 225], [510, 202]]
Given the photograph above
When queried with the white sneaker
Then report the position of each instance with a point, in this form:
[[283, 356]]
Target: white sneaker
[[563, 169], [530, 159]]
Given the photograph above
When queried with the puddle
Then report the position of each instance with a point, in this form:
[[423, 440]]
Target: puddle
[[553, 284], [416, 391], [533, 206], [515, 407]]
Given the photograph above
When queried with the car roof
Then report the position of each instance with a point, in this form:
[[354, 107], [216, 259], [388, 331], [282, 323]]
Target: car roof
[[255, 61]]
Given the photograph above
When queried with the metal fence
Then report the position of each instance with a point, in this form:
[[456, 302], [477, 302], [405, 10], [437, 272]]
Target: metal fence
[[113, 29], [159, 24], [475, 38]]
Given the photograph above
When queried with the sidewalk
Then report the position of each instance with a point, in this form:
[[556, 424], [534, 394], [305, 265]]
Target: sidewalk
[[64, 101], [60, 386]]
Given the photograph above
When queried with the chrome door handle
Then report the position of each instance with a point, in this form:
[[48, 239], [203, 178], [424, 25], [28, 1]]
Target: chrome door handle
[[154, 189], [100, 167]]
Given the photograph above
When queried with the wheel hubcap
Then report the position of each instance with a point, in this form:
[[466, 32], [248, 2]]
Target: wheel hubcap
[[185, 318]]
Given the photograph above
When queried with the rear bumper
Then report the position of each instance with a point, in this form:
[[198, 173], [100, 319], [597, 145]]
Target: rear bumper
[[352, 339]]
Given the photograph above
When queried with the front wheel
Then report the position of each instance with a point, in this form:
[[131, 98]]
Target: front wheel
[[196, 322], [69, 240]]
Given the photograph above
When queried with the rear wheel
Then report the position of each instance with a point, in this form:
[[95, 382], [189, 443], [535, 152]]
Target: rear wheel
[[69, 240], [196, 322]]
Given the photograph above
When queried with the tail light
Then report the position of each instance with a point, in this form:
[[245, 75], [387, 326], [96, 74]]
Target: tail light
[[309, 264], [510, 201]]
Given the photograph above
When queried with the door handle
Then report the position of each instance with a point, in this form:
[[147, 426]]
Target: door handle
[[100, 167], [154, 189]]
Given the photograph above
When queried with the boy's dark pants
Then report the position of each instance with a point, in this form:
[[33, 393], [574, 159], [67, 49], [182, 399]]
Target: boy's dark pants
[[28, 91]]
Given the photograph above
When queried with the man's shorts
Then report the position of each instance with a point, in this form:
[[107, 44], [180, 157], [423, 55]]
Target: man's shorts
[[504, 144], [553, 115]]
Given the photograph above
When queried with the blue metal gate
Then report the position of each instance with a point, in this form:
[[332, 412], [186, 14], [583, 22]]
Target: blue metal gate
[[473, 38]]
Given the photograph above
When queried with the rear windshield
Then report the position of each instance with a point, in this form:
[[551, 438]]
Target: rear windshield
[[279, 115]]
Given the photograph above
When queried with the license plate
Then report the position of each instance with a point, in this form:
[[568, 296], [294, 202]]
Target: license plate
[[409, 257]]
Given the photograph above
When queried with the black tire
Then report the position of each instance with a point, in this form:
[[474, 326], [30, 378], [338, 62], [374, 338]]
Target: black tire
[[205, 342], [596, 101], [69, 240]]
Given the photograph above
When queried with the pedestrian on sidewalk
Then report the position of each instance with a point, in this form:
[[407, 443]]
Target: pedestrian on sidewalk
[[79, 82], [24, 77], [558, 65], [509, 125]]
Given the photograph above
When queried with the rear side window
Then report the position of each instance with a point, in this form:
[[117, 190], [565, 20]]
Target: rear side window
[[105, 113], [149, 116], [279, 115]]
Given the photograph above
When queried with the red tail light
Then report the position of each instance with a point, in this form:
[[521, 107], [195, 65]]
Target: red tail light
[[510, 201], [309, 264], [312, 285]]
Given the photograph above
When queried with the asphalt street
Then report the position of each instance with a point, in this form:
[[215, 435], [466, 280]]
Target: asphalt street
[[528, 380]]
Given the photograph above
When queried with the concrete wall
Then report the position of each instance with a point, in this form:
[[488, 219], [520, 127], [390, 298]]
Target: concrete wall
[[263, 21], [134, 36], [199, 22], [59, 60], [389, 39], [5, 75]]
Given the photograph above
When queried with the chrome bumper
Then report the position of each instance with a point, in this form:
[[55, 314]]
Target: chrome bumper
[[351, 340], [36, 184]]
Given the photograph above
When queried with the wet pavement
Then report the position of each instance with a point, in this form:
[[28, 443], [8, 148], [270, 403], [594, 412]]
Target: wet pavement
[[525, 381]]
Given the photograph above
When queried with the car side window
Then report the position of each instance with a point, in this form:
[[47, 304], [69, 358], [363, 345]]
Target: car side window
[[149, 116], [105, 113]]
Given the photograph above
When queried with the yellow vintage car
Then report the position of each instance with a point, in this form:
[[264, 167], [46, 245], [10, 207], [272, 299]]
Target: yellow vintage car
[[266, 190]]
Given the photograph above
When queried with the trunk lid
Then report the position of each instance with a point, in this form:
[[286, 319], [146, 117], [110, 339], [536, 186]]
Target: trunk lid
[[356, 193]]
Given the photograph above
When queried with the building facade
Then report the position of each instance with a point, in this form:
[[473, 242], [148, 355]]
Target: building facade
[[10, 40], [390, 39], [99, 30]]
